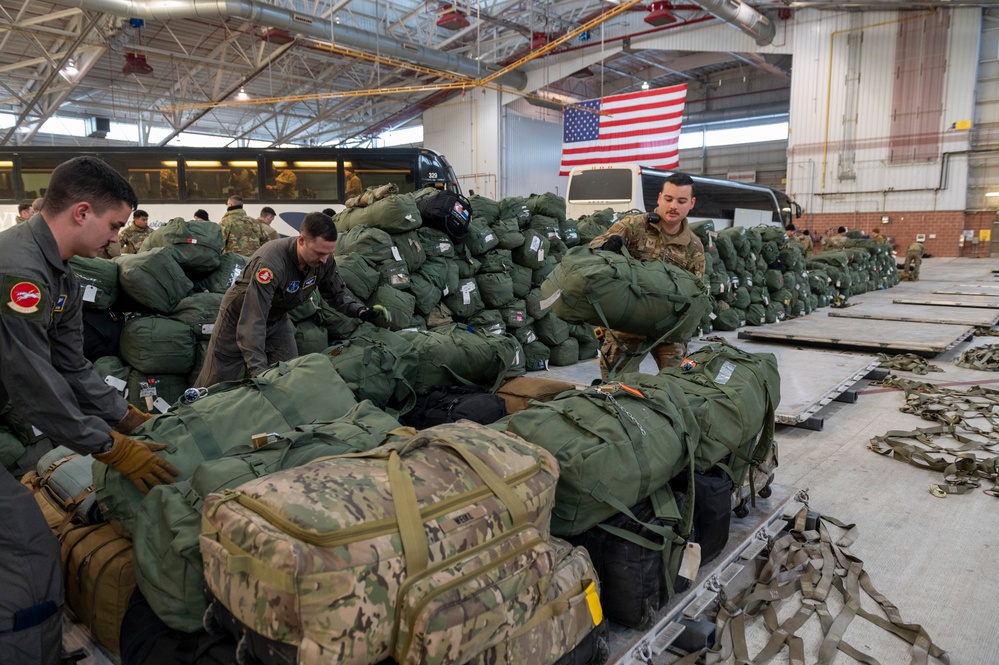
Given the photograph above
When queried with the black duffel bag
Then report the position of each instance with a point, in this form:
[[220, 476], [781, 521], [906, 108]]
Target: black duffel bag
[[448, 212], [454, 403]]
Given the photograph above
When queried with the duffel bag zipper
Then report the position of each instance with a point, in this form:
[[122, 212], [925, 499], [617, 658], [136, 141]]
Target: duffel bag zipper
[[378, 527], [458, 581]]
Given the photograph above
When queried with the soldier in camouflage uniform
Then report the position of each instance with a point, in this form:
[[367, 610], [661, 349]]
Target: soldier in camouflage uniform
[[132, 237], [659, 236], [807, 248], [267, 215], [837, 242], [243, 234], [913, 259]]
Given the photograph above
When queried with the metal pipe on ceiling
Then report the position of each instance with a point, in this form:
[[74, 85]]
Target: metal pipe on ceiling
[[742, 16], [295, 22]]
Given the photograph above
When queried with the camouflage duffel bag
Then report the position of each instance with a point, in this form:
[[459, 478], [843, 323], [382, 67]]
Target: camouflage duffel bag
[[281, 398], [429, 549]]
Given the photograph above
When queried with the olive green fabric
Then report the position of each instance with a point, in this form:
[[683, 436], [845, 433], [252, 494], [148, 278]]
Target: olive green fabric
[[496, 288], [565, 353], [199, 311], [153, 278], [230, 267], [454, 355], [98, 280], [282, 397], [144, 388], [360, 276], [396, 213], [377, 364], [157, 345], [197, 246]]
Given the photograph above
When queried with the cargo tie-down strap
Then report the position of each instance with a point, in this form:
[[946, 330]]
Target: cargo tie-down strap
[[964, 445], [907, 362], [810, 564], [985, 358]]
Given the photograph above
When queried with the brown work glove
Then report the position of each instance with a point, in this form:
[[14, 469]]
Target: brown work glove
[[132, 419], [136, 461]]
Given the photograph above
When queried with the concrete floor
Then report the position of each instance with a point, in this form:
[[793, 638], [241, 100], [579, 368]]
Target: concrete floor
[[935, 559]]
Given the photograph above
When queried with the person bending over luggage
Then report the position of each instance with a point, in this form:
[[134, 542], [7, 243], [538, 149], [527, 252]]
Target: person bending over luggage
[[44, 375], [253, 329], [662, 235]]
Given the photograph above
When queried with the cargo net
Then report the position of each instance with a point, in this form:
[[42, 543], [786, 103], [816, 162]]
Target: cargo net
[[907, 362], [964, 445], [985, 358]]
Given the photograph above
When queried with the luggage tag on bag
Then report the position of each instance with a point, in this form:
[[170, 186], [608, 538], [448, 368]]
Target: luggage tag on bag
[[161, 405], [691, 561], [116, 383], [89, 293]]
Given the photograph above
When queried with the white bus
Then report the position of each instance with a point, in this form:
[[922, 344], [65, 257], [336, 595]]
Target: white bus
[[631, 187]]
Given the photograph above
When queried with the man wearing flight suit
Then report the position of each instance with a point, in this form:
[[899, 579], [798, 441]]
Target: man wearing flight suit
[[48, 381], [252, 329], [659, 236]]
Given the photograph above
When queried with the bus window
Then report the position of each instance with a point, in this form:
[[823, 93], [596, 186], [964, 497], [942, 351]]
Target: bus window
[[210, 178], [7, 189], [306, 179], [601, 185], [154, 178], [377, 170], [36, 170]]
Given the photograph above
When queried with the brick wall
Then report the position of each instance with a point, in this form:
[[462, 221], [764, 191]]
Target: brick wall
[[947, 226]]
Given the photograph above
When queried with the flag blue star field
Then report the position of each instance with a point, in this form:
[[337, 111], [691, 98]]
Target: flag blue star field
[[637, 127]]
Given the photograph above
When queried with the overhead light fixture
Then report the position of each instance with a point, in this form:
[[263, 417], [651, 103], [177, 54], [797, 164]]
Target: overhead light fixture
[[242, 96], [660, 13], [645, 85], [243, 164], [69, 70], [278, 36], [135, 63], [315, 165], [203, 164], [278, 164], [452, 19], [6, 164]]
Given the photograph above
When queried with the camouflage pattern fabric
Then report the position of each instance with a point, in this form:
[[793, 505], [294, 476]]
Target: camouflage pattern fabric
[[131, 238], [834, 243], [913, 259], [372, 194], [243, 234], [354, 186], [286, 183], [807, 248], [356, 541], [649, 242]]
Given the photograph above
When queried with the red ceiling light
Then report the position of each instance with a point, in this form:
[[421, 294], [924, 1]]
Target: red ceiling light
[[660, 13], [135, 63], [538, 39], [278, 36], [452, 19]]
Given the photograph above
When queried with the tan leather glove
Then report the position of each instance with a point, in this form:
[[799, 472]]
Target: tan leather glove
[[136, 461], [132, 419]]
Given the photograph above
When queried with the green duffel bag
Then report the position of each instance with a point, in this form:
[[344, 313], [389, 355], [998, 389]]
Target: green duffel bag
[[425, 291], [279, 399], [439, 316], [485, 207], [569, 233], [199, 310], [197, 246], [589, 228], [442, 273], [496, 260], [488, 320], [589, 347], [377, 364], [169, 569], [522, 278], [308, 308], [769, 252], [468, 265], [564, 354], [98, 280], [775, 312], [153, 279], [534, 250], [515, 315], [755, 240], [400, 304], [112, 366], [525, 334], [360, 276], [741, 299], [144, 389], [496, 288], [549, 204], [394, 273], [436, 244], [466, 301], [649, 298], [774, 280], [756, 314], [454, 355], [481, 238], [396, 213], [536, 355], [515, 207], [508, 233], [614, 447], [729, 319], [551, 330], [537, 307], [310, 337], [373, 244], [539, 275], [157, 345], [230, 268], [410, 249], [733, 395], [772, 233]]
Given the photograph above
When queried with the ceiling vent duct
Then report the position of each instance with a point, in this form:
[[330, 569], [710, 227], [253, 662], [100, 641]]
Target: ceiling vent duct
[[452, 19], [660, 13], [135, 63], [97, 128], [277, 36]]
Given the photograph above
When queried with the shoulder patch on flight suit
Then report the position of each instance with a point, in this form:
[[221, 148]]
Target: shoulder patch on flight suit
[[60, 303], [293, 286], [309, 282], [264, 276], [24, 298]]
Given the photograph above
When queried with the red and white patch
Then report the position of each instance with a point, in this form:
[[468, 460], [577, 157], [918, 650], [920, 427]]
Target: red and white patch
[[264, 276], [25, 298]]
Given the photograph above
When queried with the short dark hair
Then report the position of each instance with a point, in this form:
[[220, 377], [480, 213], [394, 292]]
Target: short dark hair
[[267, 210], [21, 207], [200, 213], [329, 211], [237, 201], [806, 232], [90, 179], [841, 229], [680, 180], [140, 213], [790, 227], [318, 225]]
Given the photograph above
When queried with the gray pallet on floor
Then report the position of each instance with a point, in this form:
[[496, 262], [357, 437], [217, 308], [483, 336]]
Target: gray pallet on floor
[[842, 333], [955, 300], [969, 316]]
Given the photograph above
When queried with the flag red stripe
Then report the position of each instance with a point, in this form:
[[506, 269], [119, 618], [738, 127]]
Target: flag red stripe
[[645, 93], [608, 122], [644, 145]]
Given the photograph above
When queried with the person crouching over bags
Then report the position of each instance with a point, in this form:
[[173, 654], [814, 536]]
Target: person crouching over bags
[[662, 235]]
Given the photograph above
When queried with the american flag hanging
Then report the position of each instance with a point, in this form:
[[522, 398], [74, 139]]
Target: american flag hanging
[[638, 127]]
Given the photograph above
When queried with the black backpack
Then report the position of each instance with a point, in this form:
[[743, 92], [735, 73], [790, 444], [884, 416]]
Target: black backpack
[[449, 405], [447, 212], [101, 332]]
